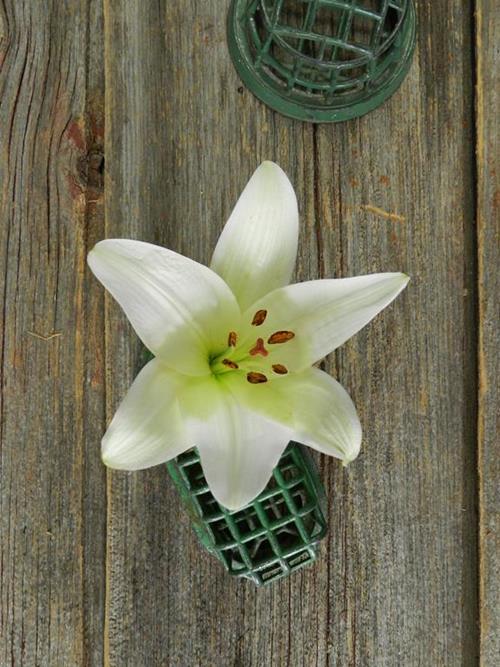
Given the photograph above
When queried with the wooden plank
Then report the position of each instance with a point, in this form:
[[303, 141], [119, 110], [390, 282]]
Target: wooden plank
[[186, 133], [396, 583], [52, 505], [405, 180], [488, 230]]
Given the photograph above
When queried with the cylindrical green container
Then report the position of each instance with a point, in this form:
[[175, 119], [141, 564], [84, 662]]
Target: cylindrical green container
[[322, 60], [275, 534]]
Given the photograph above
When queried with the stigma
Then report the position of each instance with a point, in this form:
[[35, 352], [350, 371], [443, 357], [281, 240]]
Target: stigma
[[242, 359], [259, 349]]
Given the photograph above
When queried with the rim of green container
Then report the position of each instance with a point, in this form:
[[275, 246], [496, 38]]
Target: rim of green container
[[242, 60]]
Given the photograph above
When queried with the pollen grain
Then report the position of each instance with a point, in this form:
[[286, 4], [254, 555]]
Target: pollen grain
[[256, 378], [232, 339], [280, 369], [230, 364], [259, 318], [280, 337]]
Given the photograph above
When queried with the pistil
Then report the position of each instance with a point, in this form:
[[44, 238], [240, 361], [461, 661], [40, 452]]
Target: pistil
[[238, 357]]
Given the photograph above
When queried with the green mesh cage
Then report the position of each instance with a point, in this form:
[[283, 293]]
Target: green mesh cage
[[322, 60], [271, 537]]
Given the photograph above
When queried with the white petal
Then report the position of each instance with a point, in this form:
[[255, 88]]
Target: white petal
[[323, 314], [181, 310], [238, 447], [257, 249], [315, 405], [324, 415], [146, 429]]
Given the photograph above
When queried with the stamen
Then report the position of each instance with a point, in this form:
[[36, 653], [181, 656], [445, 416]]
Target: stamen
[[259, 318], [230, 364], [280, 337], [256, 378], [280, 369], [232, 339], [259, 348]]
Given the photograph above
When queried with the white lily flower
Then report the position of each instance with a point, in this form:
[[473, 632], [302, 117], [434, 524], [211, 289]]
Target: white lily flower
[[234, 347]]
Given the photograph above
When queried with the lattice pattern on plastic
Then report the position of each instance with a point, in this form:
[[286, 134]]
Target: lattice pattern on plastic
[[274, 535], [303, 57], [322, 52]]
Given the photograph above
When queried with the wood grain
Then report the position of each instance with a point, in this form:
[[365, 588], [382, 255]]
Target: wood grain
[[488, 230], [397, 580], [103, 568], [409, 502], [52, 508]]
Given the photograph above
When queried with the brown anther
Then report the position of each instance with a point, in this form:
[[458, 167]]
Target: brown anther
[[259, 318], [232, 338], [256, 378], [280, 337], [230, 364], [259, 348], [280, 369]]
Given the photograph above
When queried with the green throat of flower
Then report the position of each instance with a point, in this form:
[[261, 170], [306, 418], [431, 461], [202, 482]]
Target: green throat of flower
[[258, 360]]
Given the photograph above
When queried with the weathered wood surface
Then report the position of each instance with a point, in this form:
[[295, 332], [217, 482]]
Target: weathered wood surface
[[103, 568], [488, 234], [52, 499]]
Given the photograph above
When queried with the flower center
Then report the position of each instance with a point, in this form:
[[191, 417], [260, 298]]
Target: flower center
[[252, 360]]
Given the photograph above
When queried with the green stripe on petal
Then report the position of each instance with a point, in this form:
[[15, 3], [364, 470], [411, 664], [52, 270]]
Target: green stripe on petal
[[181, 310], [313, 404], [238, 447]]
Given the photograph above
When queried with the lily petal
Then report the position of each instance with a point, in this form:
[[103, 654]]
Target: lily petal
[[318, 408], [180, 309], [257, 249], [238, 447], [323, 314], [324, 415], [146, 429]]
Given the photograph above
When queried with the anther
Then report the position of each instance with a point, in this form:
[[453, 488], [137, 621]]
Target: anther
[[259, 348], [256, 378], [232, 338], [280, 369], [259, 318], [280, 337], [230, 364]]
